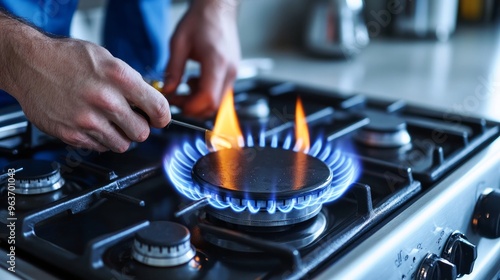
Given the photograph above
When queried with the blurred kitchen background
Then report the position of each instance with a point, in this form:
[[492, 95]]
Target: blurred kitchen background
[[443, 54]]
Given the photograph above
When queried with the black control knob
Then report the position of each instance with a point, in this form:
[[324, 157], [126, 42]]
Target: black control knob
[[486, 220], [435, 268], [459, 251]]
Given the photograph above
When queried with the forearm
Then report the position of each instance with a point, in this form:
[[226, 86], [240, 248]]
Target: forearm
[[18, 43]]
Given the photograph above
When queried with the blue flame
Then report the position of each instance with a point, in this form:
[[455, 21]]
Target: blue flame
[[345, 169]]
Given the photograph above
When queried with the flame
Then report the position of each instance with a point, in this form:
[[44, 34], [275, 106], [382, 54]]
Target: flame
[[302, 140], [226, 133]]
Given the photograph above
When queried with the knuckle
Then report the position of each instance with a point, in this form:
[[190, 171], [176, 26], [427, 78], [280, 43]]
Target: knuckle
[[85, 121], [108, 103], [72, 138], [112, 106], [117, 70], [162, 112]]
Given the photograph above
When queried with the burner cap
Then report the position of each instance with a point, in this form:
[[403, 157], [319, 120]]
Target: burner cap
[[37, 176], [261, 173], [163, 244], [384, 131]]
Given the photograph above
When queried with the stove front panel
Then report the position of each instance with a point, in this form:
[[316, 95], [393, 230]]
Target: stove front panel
[[397, 249]]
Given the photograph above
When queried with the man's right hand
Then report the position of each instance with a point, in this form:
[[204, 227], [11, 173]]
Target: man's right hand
[[77, 91]]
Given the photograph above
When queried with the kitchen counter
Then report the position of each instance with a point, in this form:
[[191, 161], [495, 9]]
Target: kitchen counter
[[461, 75]]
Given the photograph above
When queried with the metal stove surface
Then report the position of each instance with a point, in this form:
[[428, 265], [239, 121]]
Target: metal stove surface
[[416, 168]]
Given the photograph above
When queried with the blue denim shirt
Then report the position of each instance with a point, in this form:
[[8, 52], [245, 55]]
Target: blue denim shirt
[[135, 31]]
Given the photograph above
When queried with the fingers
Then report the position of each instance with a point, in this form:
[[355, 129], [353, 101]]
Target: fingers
[[92, 144], [133, 125], [151, 102], [216, 78], [179, 54], [140, 94], [111, 137], [80, 139], [206, 97], [98, 134]]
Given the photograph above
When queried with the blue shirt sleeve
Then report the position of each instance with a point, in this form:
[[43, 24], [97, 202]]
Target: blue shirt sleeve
[[52, 16], [136, 31]]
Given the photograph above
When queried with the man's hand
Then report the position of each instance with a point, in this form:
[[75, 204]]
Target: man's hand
[[207, 34], [77, 91]]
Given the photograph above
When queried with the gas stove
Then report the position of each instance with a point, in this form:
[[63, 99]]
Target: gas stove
[[385, 190]]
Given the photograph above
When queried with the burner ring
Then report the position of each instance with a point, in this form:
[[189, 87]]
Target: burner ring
[[384, 131], [163, 244], [37, 176], [297, 236], [342, 169], [263, 218]]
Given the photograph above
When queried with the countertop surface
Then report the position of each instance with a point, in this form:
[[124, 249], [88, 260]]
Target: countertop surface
[[461, 75]]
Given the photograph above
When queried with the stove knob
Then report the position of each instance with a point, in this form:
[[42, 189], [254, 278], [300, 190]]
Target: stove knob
[[486, 220], [459, 251], [435, 268], [163, 244]]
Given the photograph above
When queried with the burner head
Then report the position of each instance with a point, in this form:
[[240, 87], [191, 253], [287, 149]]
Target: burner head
[[261, 173], [259, 176], [37, 176], [163, 244], [384, 131]]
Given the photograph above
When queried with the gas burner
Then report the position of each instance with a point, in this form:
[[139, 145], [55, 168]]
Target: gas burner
[[262, 186], [37, 176], [384, 131], [263, 175], [297, 235], [163, 244]]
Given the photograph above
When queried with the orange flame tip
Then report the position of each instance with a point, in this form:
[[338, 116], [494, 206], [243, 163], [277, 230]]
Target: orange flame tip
[[302, 140], [226, 133]]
